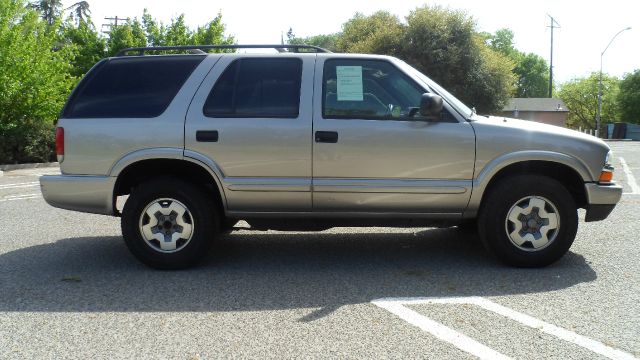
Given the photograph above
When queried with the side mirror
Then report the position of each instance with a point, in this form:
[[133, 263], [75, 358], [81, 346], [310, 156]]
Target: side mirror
[[430, 104]]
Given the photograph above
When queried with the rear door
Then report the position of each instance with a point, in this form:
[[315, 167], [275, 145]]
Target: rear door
[[252, 118], [373, 151]]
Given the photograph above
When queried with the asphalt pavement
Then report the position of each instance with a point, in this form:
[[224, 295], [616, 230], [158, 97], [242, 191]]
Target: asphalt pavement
[[69, 289]]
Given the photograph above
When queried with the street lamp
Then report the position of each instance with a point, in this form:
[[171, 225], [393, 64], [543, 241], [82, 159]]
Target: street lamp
[[600, 83]]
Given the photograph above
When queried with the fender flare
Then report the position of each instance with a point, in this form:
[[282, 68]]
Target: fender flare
[[493, 167], [172, 154]]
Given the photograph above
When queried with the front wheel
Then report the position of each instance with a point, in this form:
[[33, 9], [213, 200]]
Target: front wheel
[[169, 223], [528, 220]]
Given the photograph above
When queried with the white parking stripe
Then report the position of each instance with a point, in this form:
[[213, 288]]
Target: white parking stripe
[[397, 307], [635, 189], [438, 330], [20, 197], [19, 185]]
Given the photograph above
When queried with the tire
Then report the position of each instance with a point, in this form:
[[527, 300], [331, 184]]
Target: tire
[[528, 220], [468, 226], [179, 213]]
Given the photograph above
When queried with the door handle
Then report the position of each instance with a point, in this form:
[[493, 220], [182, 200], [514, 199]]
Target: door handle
[[207, 135], [326, 137]]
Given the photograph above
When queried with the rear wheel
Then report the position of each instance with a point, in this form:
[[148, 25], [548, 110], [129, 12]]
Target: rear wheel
[[169, 223], [528, 220]]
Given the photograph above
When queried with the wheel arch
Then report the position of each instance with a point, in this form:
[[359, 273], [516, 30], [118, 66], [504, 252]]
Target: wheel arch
[[569, 172], [191, 170]]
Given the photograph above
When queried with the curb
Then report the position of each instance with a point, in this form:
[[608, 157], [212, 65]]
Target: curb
[[11, 167]]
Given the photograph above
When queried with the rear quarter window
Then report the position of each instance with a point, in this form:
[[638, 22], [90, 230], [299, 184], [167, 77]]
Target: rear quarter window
[[140, 87]]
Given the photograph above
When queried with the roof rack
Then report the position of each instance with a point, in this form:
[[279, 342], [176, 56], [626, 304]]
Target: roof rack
[[198, 48]]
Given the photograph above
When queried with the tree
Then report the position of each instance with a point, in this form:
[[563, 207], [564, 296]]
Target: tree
[[444, 44], [629, 97], [439, 42], [34, 83], [87, 45], [531, 70], [50, 10], [581, 98], [129, 34], [212, 34], [379, 33], [153, 30], [81, 11], [328, 41], [150, 32]]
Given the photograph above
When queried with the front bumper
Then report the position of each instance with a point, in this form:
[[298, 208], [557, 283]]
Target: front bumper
[[601, 200], [92, 194]]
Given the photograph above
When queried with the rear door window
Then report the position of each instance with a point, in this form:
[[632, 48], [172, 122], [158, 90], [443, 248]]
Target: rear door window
[[141, 87], [257, 88]]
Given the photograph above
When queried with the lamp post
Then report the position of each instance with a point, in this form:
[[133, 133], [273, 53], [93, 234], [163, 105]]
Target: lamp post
[[600, 82]]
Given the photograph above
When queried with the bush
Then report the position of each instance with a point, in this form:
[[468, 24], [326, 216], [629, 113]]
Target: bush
[[34, 83], [29, 143]]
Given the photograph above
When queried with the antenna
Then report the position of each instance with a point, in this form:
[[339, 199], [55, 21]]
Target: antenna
[[553, 26]]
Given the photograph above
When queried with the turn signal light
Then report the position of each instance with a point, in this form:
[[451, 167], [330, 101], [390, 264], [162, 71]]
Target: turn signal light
[[606, 176]]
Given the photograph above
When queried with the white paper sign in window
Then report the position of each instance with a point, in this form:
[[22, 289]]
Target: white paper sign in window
[[349, 83]]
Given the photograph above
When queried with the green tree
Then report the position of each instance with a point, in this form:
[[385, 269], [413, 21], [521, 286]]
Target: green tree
[[439, 42], [154, 31], [444, 44], [328, 41], [150, 32], [502, 42], [129, 34], [581, 98], [177, 32], [379, 33], [50, 10], [531, 70], [212, 33], [80, 10], [629, 97], [34, 83], [87, 45]]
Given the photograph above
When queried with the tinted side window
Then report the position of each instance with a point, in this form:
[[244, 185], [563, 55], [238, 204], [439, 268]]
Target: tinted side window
[[131, 87], [368, 89], [257, 88]]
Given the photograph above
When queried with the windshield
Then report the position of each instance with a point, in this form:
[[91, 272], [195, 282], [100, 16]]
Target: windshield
[[457, 104]]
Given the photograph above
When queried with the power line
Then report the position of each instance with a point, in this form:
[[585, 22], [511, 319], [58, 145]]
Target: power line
[[113, 21]]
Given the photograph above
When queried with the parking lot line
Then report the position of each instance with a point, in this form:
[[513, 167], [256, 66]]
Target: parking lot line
[[398, 307], [19, 185], [631, 180], [21, 197]]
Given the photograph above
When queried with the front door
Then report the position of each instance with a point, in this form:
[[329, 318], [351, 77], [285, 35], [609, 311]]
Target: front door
[[373, 152]]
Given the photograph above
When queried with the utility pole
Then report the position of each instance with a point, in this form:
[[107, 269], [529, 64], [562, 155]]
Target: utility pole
[[113, 21], [553, 26]]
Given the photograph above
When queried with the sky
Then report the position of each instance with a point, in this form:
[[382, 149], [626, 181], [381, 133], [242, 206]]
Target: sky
[[586, 27]]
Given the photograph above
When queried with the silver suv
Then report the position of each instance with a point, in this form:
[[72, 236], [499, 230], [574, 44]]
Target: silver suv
[[306, 140]]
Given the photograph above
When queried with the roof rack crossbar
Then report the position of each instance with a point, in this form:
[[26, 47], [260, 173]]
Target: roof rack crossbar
[[142, 50]]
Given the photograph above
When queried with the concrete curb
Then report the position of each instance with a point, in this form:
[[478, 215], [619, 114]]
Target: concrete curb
[[10, 167]]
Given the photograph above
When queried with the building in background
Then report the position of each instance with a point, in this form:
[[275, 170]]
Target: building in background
[[544, 110]]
